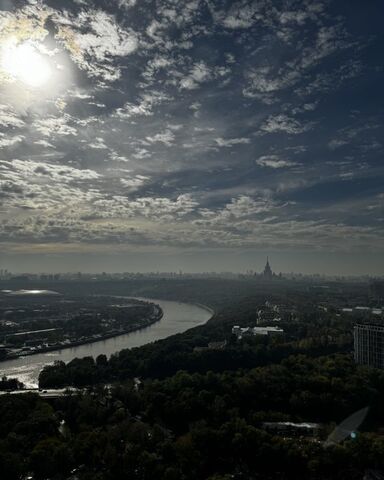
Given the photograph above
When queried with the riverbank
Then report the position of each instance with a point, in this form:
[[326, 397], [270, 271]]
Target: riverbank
[[157, 315], [177, 318], [205, 307]]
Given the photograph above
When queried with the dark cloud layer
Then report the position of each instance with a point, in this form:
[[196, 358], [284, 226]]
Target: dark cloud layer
[[195, 125]]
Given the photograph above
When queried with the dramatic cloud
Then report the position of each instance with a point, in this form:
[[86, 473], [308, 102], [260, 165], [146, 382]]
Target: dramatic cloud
[[191, 124], [273, 161], [94, 39], [221, 142], [283, 123]]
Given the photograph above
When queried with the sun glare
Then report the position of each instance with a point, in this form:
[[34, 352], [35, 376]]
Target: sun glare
[[23, 62]]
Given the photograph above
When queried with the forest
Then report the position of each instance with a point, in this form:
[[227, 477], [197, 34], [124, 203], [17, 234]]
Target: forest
[[171, 411], [312, 332], [199, 426]]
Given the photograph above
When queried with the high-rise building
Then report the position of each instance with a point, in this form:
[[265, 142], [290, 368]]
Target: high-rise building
[[267, 273], [369, 344]]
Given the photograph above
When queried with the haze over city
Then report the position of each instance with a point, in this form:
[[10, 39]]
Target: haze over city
[[194, 135]]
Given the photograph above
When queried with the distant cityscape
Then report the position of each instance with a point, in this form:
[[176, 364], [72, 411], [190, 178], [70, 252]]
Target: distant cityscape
[[296, 332], [266, 273], [54, 323]]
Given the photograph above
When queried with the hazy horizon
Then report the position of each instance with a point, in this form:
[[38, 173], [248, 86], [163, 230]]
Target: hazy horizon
[[307, 263]]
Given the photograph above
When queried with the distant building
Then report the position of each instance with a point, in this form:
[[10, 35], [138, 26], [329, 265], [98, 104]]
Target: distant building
[[347, 310], [267, 315], [283, 309], [369, 345], [267, 331], [267, 273], [274, 312], [236, 330], [241, 332], [361, 311]]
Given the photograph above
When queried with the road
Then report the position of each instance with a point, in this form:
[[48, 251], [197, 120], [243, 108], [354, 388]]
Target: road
[[48, 393]]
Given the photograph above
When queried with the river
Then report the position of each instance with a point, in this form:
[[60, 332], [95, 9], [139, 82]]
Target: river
[[177, 317]]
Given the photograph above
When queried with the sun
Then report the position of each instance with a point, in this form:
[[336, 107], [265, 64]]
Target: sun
[[23, 62]]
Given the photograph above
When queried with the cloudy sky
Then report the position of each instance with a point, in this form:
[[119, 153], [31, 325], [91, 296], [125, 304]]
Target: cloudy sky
[[198, 134]]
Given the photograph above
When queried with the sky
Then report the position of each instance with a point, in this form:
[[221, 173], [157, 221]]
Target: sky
[[198, 135]]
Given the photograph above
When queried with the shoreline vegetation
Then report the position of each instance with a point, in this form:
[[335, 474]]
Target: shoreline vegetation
[[205, 307], [156, 315]]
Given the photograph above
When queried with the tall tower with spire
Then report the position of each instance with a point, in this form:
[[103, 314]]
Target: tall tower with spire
[[267, 273]]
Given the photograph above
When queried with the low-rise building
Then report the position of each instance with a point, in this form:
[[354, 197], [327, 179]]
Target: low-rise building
[[265, 315], [241, 332], [361, 311]]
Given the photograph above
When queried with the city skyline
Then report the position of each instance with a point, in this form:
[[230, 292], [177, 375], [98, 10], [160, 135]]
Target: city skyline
[[257, 268], [198, 135]]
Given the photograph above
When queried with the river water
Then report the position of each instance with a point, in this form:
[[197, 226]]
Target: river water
[[177, 318]]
